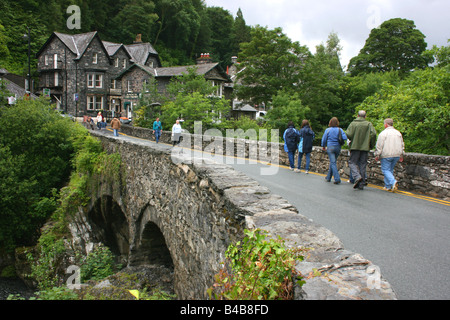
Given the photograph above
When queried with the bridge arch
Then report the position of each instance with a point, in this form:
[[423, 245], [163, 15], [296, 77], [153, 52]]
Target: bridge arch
[[109, 226]]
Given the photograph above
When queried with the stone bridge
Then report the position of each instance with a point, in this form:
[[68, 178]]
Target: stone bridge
[[185, 215]]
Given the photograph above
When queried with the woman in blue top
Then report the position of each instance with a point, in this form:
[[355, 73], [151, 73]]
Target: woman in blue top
[[330, 142]]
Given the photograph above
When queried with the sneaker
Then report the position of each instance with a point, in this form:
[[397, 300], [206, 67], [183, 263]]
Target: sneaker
[[297, 170], [306, 171], [357, 183], [395, 187]]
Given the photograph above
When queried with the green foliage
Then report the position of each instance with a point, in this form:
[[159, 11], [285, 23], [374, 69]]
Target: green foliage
[[98, 264], [270, 62], [260, 270], [36, 147], [420, 108], [395, 46]]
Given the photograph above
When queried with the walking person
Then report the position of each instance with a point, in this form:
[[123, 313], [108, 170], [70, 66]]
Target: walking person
[[115, 125], [291, 138], [176, 132], [390, 149], [157, 129], [99, 121], [332, 143], [363, 138], [305, 146]]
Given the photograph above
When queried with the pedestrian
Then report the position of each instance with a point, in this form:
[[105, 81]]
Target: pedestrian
[[332, 143], [390, 149], [115, 125], [305, 146], [291, 138], [157, 129], [99, 121], [176, 133], [363, 138]]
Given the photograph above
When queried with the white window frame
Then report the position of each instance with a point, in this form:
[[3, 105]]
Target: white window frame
[[46, 60], [124, 63], [99, 81], [55, 61], [117, 63], [95, 58], [91, 80], [56, 83], [94, 102], [129, 85]]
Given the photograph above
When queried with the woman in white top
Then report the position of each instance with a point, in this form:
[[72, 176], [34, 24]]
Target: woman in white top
[[176, 132]]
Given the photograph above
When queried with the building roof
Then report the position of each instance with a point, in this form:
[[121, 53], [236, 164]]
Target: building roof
[[201, 69]]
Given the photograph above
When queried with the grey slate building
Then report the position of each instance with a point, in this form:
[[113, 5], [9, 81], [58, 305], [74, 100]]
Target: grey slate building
[[83, 74]]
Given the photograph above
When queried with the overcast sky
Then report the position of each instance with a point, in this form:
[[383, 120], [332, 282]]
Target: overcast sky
[[310, 22]]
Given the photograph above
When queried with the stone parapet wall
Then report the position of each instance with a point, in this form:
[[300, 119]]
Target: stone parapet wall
[[420, 173]]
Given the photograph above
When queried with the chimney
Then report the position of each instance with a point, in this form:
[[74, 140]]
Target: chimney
[[138, 38], [204, 58]]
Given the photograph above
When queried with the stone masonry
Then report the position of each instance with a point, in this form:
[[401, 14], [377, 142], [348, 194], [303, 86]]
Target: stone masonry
[[195, 210], [419, 173]]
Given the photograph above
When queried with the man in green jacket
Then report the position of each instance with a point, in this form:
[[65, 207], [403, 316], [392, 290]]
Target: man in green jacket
[[363, 138]]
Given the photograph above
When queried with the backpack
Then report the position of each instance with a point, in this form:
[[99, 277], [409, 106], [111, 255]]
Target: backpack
[[292, 138]]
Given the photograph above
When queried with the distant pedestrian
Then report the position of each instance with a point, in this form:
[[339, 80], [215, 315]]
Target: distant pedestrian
[[305, 146], [291, 139], [389, 149], [331, 143], [115, 125], [157, 129], [176, 132], [363, 138], [99, 121]]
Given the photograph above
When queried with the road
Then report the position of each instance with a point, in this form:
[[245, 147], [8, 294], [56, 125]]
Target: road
[[406, 235]]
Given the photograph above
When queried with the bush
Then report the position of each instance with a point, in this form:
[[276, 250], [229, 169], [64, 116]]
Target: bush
[[260, 270]]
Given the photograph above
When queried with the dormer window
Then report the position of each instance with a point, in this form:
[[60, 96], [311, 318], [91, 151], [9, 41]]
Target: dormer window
[[95, 58], [117, 63], [124, 63]]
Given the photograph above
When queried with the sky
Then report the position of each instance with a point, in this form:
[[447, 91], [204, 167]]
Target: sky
[[311, 22]]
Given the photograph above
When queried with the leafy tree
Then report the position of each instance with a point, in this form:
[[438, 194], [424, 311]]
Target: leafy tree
[[36, 145], [395, 45], [287, 106], [240, 33], [441, 55], [420, 108], [323, 80], [270, 62]]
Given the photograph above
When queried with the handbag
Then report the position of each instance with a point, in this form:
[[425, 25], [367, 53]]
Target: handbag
[[340, 139]]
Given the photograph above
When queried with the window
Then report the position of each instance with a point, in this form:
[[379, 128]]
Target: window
[[99, 81], [94, 80], [130, 86], [55, 61], [90, 81], [95, 58], [113, 84], [46, 60], [117, 63], [56, 79], [124, 63], [219, 88], [95, 102]]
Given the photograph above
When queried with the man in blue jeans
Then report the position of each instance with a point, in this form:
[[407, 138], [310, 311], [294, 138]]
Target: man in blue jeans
[[157, 129], [390, 149]]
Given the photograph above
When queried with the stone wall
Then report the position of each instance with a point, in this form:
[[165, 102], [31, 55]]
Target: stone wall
[[419, 173], [200, 208]]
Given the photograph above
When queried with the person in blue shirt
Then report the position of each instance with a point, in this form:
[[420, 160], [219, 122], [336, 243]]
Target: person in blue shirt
[[330, 143], [157, 129]]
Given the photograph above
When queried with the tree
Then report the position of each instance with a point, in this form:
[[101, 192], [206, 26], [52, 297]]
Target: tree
[[322, 82], [395, 45], [36, 148], [420, 108], [270, 62]]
